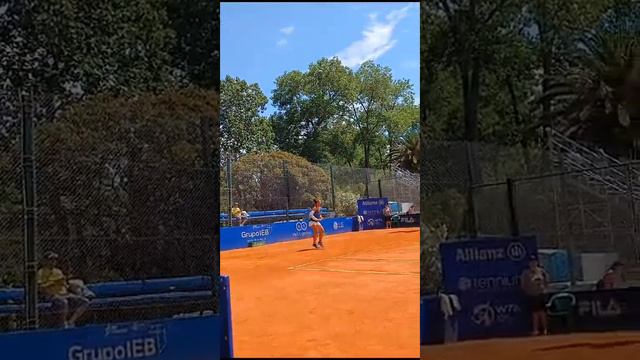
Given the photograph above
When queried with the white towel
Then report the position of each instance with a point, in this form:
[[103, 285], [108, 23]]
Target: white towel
[[449, 304]]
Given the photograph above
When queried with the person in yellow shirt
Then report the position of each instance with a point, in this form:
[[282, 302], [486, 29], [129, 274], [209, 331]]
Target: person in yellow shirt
[[54, 287], [237, 213]]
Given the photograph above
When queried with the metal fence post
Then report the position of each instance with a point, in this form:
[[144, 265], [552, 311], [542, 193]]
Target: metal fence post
[[30, 241], [366, 183], [229, 182], [471, 214], [285, 171], [333, 188], [379, 188], [513, 217], [634, 217]]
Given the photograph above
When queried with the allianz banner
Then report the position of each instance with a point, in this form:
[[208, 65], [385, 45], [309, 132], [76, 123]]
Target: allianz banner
[[486, 263], [371, 210], [409, 220]]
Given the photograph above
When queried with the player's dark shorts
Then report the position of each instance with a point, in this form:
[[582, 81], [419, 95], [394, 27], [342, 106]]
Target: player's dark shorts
[[537, 302], [387, 218]]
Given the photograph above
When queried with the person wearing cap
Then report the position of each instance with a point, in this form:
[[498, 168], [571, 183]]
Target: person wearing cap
[[534, 281], [237, 213], [54, 287], [613, 278]]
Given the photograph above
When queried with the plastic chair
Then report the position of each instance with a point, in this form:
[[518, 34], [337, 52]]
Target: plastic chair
[[561, 306]]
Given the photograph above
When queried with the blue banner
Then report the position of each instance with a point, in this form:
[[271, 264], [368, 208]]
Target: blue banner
[[188, 337], [371, 210], [488, 263], [193, 338], [241, 236], [409, 220], [431, 321]]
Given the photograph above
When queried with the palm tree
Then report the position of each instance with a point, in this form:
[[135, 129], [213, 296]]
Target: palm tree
[[407, 154], [598, 92]]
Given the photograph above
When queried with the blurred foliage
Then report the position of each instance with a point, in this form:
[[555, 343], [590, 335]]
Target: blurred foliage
[[346, 203], [259, 181]]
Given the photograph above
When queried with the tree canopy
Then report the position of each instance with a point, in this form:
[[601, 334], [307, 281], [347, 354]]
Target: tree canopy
[[329, 113]]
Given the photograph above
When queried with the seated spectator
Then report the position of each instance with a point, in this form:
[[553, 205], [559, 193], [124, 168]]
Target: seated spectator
[[54, 287], [412, 210], [239, 214], [613, 278]]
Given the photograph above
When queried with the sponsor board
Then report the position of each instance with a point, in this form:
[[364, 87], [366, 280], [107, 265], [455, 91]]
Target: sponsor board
[[371, 210], [238, 237], [485, 263], [409, 220], [490, 313]]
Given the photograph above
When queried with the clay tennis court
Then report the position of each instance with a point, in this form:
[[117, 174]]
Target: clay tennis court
[[612, 345], [356, 298]]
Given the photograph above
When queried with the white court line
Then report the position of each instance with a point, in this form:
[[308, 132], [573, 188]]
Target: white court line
[[362, 271], [378, 259], [345, 256]]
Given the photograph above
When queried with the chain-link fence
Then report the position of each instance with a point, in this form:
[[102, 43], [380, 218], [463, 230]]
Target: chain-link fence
[[583, 211], [485, 189], [124, 196], [281, 183]]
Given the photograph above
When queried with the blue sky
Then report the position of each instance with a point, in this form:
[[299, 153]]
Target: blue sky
[[260, 41]]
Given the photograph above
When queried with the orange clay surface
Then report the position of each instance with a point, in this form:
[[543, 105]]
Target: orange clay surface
[[356, 298], [602, 346]]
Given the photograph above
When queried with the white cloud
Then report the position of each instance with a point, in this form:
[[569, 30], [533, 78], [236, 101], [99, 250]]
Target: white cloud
[[287, 30], [377, 38], [282, 42]]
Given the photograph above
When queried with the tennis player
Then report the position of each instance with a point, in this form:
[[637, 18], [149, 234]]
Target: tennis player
[[316, 226]]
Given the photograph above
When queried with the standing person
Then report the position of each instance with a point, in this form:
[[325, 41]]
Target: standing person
[[387, 215], [54, 286], [318, 231], [613, 278], [534, 281]]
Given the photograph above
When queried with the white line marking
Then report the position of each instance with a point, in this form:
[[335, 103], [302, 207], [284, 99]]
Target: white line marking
[[362, 271]]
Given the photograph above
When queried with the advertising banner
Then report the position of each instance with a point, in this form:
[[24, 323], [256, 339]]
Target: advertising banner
[[241, 236], [488, 314], [371, 210], [409, 220], [489, 263]]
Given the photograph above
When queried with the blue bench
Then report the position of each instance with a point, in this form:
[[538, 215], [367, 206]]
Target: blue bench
[[125, 294], [275, 214]]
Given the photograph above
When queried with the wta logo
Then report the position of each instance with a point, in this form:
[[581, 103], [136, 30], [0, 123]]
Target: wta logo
[[487, 315]]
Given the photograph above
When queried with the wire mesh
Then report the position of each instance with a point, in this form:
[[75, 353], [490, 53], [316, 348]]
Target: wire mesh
[[124, 193], [275, 181]]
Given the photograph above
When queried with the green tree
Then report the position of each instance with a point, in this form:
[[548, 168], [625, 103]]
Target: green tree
[[307, 103], [407, 154], [242, 127], [377, 95], [597, 93], [196, 24], [134, 171], [69, 50]]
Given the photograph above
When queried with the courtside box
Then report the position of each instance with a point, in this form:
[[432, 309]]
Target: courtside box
[[189, 338]]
